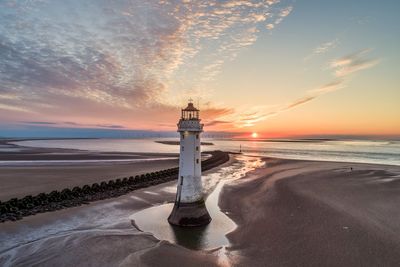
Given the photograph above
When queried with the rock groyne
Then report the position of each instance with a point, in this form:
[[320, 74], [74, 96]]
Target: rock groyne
[[17, 208]]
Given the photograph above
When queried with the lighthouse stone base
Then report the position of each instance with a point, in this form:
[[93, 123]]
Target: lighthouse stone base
[[189, 214]]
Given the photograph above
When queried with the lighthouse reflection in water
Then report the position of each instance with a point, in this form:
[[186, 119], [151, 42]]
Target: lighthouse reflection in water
[[213, 235], [154, 220]]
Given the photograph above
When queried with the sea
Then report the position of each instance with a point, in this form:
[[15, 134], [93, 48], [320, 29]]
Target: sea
[[357, 151]]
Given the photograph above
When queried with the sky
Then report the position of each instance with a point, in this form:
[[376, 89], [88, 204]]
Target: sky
[[278, 68]]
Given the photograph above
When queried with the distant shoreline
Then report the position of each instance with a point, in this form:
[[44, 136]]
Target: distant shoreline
[[176, 143]]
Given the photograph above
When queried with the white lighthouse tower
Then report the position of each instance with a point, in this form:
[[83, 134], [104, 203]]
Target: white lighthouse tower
[[189, 208]]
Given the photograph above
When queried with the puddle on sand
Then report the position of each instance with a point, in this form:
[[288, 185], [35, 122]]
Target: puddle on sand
[[154, 220], [213, 235]]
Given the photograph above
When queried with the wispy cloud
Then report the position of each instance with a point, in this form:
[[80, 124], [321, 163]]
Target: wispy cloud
[[284, 12], [353, 63], [299, 102], [270, 26], [118, 58], [217, 123], [341, 67], [68, 123], [325, 47], [39, 122], [250, 116], [329, 87], [14, 108]]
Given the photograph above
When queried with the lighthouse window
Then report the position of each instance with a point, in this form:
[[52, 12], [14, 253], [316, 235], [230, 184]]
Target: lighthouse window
[[197, 161], [197, 148], [183, 148], [181, 180], [197, 136]]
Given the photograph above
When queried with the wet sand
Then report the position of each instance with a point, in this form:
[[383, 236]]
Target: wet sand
[[22, 181], [99, 234], [61, 168], [305, 213], [288, 213]]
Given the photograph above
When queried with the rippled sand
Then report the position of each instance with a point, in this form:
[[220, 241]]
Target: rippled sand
[[286, 213], [101, 233]]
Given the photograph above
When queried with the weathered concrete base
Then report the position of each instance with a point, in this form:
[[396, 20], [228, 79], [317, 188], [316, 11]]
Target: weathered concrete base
[[189, 214]]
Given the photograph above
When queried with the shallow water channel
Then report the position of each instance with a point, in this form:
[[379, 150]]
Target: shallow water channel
[[213, 235], [86, 230], [154, 220]]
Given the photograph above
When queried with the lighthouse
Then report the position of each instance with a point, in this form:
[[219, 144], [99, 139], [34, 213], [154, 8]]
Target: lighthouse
[[189, 208]]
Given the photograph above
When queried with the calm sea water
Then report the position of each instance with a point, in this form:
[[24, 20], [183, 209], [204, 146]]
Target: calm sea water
[[381, 152]]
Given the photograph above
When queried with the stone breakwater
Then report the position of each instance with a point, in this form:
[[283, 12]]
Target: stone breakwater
[[17, 208]]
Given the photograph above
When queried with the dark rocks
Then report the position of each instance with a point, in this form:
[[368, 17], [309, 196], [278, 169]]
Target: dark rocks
[[86, 189], [103, 185], [76, 191], [15, 209], [111, 184], [66, 194], [95, 187]]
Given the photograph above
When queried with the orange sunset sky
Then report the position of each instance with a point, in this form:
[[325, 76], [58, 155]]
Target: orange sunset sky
[[278, 68]]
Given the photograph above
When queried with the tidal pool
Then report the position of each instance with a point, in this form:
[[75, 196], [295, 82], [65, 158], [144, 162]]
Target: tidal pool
[[154, 220], [213, 235], [89, 228]]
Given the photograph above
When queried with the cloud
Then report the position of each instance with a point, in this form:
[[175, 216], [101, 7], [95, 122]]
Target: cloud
[[329, 87], [270, 26], [323, 48], [210, 112], [341, 67], [217, 123], [103, 59], [8, 96], [352, 63], [299, 101], [107, 126], [14, 108], [67, 123], [39, 122], [314, 93], [110, 126], [217, 117], [250, 116], [286, 11]]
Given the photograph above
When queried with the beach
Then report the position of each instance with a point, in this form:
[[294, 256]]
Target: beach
[[287, 213], [310, 213], [30, 171]]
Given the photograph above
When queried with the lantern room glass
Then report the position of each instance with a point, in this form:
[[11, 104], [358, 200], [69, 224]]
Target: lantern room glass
[[190, 115]]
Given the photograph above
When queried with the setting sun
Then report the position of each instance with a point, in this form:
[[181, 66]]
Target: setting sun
[[254, 135]]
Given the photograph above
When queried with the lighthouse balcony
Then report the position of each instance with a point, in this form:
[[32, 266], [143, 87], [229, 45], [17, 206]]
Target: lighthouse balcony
[[190, 125]]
